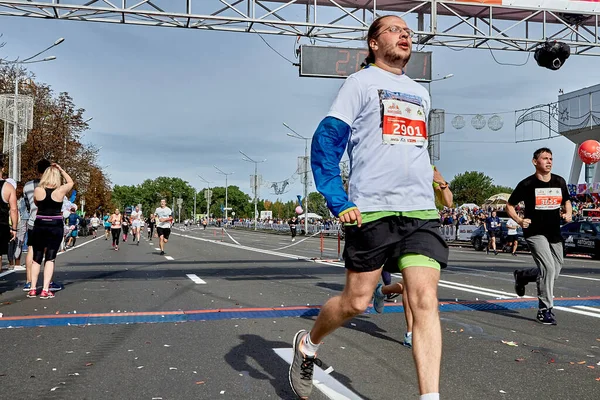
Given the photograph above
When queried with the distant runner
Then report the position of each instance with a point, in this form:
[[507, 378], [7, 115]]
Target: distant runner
[[115, 228], [136, 224], [164, 218]]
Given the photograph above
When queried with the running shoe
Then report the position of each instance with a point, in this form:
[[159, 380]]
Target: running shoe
[[392, 296], [519, 286], [378, 299], [301, 369], [55, 287], [46, 294], [116, 248], [162, 253], [546, 317], [32, 294], [27, 287], [407, 340]]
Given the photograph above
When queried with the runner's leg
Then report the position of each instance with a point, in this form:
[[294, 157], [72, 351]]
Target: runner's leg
[[421, 286], [354, 300]]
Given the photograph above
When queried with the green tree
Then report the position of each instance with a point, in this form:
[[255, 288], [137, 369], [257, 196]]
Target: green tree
[[317, 204], [471, 187], [496, 189]]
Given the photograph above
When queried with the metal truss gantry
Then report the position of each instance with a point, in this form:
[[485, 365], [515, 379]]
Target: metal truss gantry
[[458, 25]]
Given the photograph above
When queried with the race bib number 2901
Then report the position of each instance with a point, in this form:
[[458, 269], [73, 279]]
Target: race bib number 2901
[[404, 119]]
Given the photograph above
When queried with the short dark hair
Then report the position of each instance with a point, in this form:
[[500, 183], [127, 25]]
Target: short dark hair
[[43, 165], [537, 153]]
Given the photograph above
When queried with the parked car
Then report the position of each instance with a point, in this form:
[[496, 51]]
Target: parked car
[[582, 237], [479, 238]]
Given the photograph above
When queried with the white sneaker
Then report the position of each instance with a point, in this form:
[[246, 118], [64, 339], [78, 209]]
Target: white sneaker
[[293, 239]]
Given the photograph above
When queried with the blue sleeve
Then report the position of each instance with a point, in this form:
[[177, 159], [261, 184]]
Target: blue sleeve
[[328, 145]]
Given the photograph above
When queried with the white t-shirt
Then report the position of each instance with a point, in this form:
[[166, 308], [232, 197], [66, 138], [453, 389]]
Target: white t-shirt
[[509, 223], [163, 213], [95, 221], [135, 216], [390, 168]]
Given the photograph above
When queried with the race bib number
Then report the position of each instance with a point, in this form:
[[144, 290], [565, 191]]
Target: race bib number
[[548, 198], [403, 120]]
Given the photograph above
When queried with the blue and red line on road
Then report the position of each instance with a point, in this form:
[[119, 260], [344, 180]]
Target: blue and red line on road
[[257, 313]]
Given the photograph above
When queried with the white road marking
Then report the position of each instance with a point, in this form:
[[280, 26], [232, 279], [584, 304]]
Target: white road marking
[[169, 258], [157, 248], [589, 314], [447, 284], [195, 279], [327, 384], [579, 277], [506, 260], [59, 254], [230, 237], [588, 308]]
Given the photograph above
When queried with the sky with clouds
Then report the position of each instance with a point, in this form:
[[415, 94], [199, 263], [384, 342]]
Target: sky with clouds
[[175, 102]]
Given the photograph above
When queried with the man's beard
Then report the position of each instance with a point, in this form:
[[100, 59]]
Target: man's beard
[[392, 58]]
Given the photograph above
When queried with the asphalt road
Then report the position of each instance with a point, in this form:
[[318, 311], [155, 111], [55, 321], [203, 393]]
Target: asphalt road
[[214, 319]]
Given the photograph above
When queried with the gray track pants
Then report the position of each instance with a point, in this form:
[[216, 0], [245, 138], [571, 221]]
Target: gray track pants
[[549, 260]]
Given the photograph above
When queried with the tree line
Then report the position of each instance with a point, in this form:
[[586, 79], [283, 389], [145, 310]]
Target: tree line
[[151, 191], [58, 128]]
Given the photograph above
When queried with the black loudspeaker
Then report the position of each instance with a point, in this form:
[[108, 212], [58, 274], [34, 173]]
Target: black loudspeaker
[[552, 55]]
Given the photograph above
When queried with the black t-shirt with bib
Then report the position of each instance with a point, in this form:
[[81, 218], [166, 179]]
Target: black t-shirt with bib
[[542, 205]]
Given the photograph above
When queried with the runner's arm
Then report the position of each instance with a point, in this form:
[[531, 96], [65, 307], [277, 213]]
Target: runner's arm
[[327, 149]]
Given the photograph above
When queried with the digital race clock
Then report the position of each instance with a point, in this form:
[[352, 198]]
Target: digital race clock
[[339, 62]]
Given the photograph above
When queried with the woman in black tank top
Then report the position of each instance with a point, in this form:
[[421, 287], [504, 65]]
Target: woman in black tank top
[[48, 228]]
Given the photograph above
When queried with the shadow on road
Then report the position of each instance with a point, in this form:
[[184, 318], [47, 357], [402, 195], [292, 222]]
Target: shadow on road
[[256, 350]]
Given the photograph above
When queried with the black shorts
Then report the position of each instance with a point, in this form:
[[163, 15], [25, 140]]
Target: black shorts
[[164, 232], [47, 235], [511, 238], [492, 234], [382, 242], [5, 237], [29, 236]]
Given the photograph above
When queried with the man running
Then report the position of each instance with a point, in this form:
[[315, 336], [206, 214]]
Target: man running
[[73, 223], [136, 224], [492, 227], [150, 222], [95, 223], [543, 194], [379, 115], [164, 218]]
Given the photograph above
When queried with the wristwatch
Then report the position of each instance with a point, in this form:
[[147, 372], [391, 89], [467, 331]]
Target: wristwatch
[[444, 185]]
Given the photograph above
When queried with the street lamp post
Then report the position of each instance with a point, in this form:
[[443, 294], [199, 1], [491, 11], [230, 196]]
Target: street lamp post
[[226, 186], [209, 194], [255, 188], [296, 135], [18, 63], [430, 144]]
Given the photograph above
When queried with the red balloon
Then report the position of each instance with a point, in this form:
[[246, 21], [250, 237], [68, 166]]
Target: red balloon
[[589, 152]]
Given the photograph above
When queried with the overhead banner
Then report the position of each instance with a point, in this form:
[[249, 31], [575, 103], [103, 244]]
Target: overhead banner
[[558, 5]]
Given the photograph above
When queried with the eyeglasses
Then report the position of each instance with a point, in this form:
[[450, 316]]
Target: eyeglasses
[[397, 29]]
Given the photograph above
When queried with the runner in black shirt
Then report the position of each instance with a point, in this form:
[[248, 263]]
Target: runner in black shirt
[[543, 194]]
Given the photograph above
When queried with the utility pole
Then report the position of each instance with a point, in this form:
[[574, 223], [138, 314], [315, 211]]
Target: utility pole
[[226, 186], [254, 184], [207, 195], [305, 170], [194, 217]]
